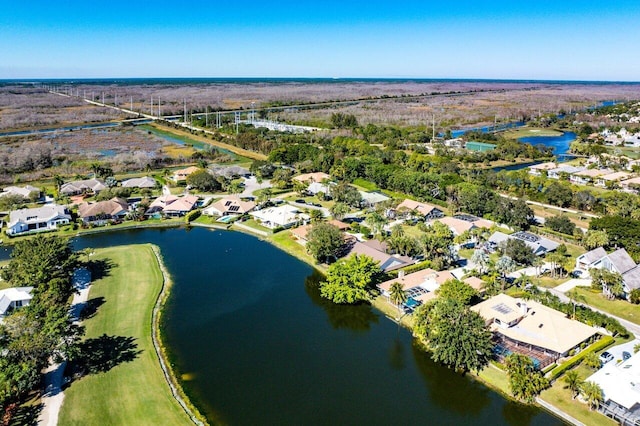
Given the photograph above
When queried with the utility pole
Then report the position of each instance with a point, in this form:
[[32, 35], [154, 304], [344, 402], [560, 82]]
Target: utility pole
[[185, 111], [151, 113], [206, 117], [131, 103], [159, 111], [103, 98], [433, 126]]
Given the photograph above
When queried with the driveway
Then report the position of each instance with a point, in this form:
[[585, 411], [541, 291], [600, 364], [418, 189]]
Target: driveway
[[575, 282], [251, 185], [616, 351]]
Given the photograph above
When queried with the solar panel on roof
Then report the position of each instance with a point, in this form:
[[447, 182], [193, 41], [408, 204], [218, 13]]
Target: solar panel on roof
[[227, 203], [526, 236], [502, 308], [466, 217], [234, 208]]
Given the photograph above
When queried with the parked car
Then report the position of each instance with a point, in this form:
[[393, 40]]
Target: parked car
[[625, 355], [300, 201], [605, 357]]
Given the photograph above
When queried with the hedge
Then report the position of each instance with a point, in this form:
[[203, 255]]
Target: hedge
[[192, 215], [576, 359], [425, 264]]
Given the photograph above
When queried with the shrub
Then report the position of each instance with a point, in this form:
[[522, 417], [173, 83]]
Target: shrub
[[192, 215], [577, 359]]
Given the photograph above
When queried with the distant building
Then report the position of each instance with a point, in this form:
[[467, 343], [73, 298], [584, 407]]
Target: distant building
[[427, 211], [318, 177], [386, 261], [284, 216], [22, 191], [181, 175], [230, 205], [538, 169], [141, 182], [370, 199], [102, 212], [479, 146], [539, 245], [78, 187], [171, 205]]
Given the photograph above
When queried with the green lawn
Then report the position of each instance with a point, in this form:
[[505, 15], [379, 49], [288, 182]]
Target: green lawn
[[619, 308], [495, 378], [365, 185], [531, 131], [287, 242], [132, 392], [560, 398]]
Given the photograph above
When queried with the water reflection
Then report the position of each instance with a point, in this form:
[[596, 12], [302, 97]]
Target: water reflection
[[358, 318]]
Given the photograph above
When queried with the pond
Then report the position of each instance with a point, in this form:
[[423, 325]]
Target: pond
[[256, 344], [560, 144]]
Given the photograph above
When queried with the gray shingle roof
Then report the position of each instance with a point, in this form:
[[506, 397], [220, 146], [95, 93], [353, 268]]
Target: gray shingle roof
[[621, 260]]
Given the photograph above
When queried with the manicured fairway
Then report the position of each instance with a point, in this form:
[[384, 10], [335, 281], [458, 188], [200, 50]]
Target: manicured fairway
[[134, 392]]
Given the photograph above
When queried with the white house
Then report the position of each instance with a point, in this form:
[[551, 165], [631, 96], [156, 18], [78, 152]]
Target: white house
[[43, 218], [22, 191], [171, 205], [284, 216], [539, 245], [538, 169], [82, 187], [13, 298]]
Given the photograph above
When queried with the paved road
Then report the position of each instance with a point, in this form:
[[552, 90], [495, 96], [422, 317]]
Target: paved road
[[251, 185], [549, 206]]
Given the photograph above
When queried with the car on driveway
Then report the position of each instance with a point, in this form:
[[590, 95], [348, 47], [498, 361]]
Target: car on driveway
[[606, 357], [625, 355]]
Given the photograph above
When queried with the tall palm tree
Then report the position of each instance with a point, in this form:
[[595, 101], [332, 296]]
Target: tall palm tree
[[575, 297], [573, 382], [592, 393], [397, 296], [481, 259]]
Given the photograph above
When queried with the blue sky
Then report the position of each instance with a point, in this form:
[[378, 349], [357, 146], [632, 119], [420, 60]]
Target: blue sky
[[572, 40]]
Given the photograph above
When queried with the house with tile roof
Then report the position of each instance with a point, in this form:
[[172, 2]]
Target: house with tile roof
[[425, 210], [171, 205], [141, 182], [87, 186], [229, 205], [181, 174], [103, 212]]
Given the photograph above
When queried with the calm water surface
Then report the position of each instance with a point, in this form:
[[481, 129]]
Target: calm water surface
[[247, 327]]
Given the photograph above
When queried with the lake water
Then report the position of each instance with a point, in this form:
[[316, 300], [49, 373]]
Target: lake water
[[247, 327], [560, 144]]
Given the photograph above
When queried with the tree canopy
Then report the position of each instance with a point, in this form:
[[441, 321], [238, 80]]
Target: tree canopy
[[457, 290], [456, 336], [349, 280], [324, 241], [525, 381], [203, 181]]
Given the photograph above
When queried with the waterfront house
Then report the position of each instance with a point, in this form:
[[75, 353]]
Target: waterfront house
[[43, 218], [426, 211], [284, 216], [532, 329], [14, 298], [230, 172], [181, 175], [386, 261], [301, 232], [79, 187], [171, 205], [230, 205], [421, 286], [103, 212], [539, 245], [141, 183]]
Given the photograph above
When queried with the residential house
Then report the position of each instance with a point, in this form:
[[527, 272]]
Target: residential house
[[532, 329], [43, 218], [318, 177], [301, 232], [78, 187], [181, 175], [457, 226], [631, 185], [230, 205], [141, 182], [539, 169], [591, 259], [476, 221], [588, 176], [427, 211], [103, 212], [563, 171], [618, 261], [22, 191], [230, 171], [284, 216], [315, 187], [421, 286], [14, 298], [612, 178], [171, 205], [539, 245], [370, 199], [620, 394], [386, 261]]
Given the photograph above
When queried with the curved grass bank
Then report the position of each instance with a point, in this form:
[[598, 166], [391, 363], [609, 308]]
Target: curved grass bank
[[133, 391]]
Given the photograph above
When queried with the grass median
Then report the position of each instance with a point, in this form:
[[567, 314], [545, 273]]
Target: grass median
[[131, 391]]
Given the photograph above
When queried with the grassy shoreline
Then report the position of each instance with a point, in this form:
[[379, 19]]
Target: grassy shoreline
[[127, 293]]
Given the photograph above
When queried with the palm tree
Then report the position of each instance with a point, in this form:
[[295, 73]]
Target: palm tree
[[58, 181], [397, 296], [575, 297], [573, 382], [505, 265], [481, 259], [592, 394]]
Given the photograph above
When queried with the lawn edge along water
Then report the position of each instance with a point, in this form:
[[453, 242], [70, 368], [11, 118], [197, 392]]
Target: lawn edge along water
[[135, 391]]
